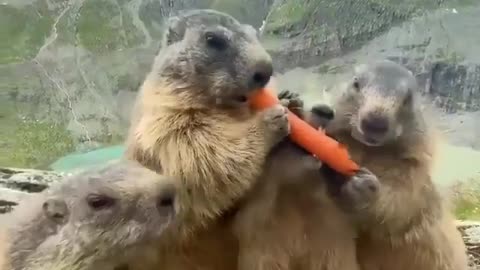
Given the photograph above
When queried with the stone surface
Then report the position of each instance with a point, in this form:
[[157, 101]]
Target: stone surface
[[471, 235], [16, 184]]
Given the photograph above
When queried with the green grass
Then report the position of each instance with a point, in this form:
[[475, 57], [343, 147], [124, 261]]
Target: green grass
[[239, 9], [66, 29], [23, 31], [39, 143], [148, 13], [8, 124], [286, 15], [466, 199], [28, 143], [105, 26], [96, 29], [133, 36], [458, 170]]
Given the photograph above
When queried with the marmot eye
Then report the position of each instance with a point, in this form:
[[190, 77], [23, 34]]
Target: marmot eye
[[408, 97], [97, 202], [216, 41], [356, 84]]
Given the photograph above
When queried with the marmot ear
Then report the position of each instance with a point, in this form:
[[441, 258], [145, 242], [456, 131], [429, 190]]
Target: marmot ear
[[56, 210], [250, 29], [360, 68], [175, 30]]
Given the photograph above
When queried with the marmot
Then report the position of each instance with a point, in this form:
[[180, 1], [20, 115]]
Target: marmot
[[402, 221], [192, 119], [288, 220], [98, 219]]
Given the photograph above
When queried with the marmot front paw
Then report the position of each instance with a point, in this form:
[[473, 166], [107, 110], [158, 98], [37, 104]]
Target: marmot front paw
[[291, 100], [361, 189], [321, 115], [276, 123]]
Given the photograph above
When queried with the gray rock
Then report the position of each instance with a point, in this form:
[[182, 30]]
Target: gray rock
[[471, 235], [27, 180], [16, 184]]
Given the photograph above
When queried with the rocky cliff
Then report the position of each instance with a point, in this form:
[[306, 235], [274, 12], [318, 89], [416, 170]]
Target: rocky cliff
[[69, 69]]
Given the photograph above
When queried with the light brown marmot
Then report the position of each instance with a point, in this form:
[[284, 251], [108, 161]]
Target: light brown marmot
[[192, 119], [402, 221], [104, 218]]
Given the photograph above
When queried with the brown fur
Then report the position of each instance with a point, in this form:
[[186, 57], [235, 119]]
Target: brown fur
[[288, 221], [403, 224], [99, 219]]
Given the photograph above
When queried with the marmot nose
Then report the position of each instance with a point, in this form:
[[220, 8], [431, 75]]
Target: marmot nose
[[261, 74], [166, 202], [373, 123]]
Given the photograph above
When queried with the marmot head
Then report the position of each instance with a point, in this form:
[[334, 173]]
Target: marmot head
[[380, 103], [213, 57], [93, 217]]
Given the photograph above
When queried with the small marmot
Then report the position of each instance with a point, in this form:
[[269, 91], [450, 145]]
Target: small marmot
[[192, 119], [402, 220], [103, 218]]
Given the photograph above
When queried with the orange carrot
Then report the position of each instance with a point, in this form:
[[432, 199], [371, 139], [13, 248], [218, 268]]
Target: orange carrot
[[318, 143]]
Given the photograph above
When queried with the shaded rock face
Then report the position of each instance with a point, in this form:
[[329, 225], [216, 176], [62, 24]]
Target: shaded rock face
[[453, 87], [456, 82], [320, 29], [72, 67]]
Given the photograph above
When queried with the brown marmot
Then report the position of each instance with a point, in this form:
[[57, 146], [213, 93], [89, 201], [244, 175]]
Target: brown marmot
[[402, 221], [192, 119], [288, 220], [103, 218]]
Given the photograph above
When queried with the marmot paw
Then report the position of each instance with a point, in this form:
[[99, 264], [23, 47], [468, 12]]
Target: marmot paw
[[276, 122], [321, 115], [292, 101], [362, 188]]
